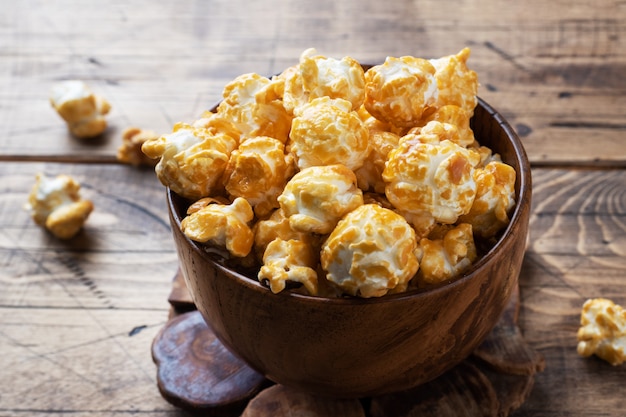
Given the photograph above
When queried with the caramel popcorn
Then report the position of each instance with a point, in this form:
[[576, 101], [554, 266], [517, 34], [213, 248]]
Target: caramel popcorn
[[258, 171], [192, 159], [336, 181], [129, 152], [495, 197], [370, 252], [603, 331], [456, 84], [276, 227], [317, 197], [222, 225], [289, 261], [400, 90], [431, 178], [319, 76], [446, 256], [55, 203], [326, 132], [82, 110], [252, 103]]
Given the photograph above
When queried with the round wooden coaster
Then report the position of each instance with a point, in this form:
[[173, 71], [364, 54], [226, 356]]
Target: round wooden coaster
[[280, 401], [196, 372]]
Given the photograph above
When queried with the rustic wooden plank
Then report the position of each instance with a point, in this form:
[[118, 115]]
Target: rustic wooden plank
[[123, 258], [89, 362], [577, 251], [518, 52]]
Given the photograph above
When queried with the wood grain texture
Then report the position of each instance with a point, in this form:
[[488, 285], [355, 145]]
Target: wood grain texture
[[72, 314], [554, 70]]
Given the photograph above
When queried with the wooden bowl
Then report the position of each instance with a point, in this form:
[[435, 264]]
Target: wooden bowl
[[353, 347]]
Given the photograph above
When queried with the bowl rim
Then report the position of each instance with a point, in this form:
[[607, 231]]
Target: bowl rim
[[523, 176]]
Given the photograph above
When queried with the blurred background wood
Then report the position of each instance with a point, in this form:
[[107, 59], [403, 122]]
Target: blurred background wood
[[77, 318]]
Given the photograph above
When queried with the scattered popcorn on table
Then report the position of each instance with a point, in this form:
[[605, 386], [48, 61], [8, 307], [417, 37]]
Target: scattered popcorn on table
[[371, 252], [333, 181], [129, 152], [82, 110], [603, 331], [55, 203]]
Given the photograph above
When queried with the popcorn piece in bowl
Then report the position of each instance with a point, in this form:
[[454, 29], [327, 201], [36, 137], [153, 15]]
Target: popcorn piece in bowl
[[447, 253], [602, 331], [370, 253], [55, 203], [325, 132], [258, 171], [82, 110], [224, 225], [289, 261], [192, 159], [370, 175], [253, 104], [456, 116], [277, 227], [319, 76], [317, 197], [456, 83], [495, 197], [129, 152], [401, 90], [431, 178]]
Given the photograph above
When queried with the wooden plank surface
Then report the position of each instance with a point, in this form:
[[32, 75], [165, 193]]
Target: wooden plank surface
[[77, 318], [555, 70]]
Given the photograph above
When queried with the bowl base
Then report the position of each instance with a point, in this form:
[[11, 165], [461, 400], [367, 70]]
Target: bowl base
[[504, 359]]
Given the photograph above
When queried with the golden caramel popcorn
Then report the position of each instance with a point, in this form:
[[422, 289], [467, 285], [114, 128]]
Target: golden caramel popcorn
[[342, 181], [289, 261], [495, 197], [317, 197], [319, 76], [444, 257], [129, 152], [258, 171], [253, 104], [82, 110], [55, 203], [370, 175], [326, 132], [276, 227], [222, 225], [192, 159], [216, 123], [400, 90], [603, 331], [370, 253], [456, 83], [456, 116], [431, 178]]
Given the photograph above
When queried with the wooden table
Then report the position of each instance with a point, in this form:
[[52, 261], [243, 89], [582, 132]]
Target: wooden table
[[77, 318]]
